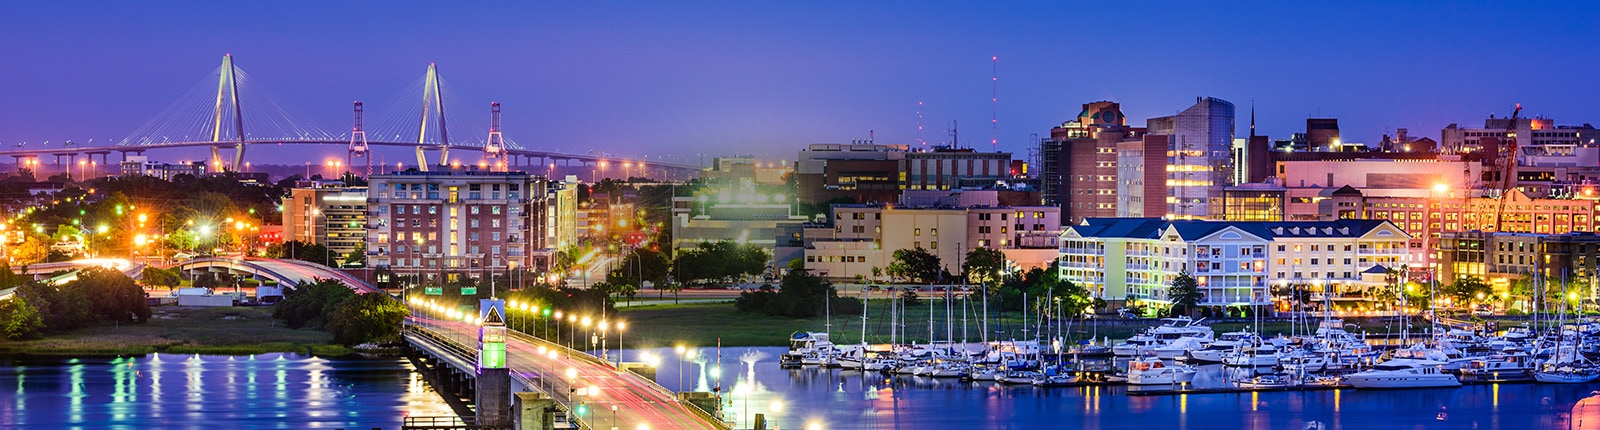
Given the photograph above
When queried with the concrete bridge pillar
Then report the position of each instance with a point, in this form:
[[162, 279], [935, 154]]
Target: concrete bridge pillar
[[492, 394], [533, 411]]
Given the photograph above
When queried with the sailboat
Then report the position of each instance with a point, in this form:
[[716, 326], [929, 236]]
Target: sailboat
[[1566, 365]]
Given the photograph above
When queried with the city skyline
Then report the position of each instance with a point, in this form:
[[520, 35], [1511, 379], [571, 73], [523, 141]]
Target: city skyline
[[638, 80]]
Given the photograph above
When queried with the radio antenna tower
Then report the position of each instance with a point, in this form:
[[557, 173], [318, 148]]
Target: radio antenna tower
[[994, 102]]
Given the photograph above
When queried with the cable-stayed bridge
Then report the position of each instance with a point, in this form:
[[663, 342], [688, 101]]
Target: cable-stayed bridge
[[229, 114]]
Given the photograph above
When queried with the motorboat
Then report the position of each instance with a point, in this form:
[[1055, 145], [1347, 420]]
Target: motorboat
[[1269, 381], [1404, 373], [1152, 371], [1498, 367], [1216, 350], [1169, 331], [1322, 381], [1055, 381], [949, 370], [1135, 346], [1179, 347], [789, 360], [1018, 377], [1256, 354]]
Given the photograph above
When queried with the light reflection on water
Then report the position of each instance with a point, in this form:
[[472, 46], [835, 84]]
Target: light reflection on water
[[266, 391], [850, 400]]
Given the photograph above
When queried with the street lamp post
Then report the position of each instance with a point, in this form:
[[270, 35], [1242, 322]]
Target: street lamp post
[[620, 327], [680, 350]]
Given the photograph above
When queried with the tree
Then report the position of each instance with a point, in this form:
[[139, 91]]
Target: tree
[[357, 257], [110, 295], [158, 277], [310, 304], [983, 265], [19, 321], [642, 265], [1465, 290], [366, 318], [803, 296], [916, 265], [1184, 292]]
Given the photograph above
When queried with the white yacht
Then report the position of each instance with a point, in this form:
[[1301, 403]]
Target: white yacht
[[1257, 354], [1499, 367], [1170, 330], [1152, 371], [1404, 373], [1179, 348]]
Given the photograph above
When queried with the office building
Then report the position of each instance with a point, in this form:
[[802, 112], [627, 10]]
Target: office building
[[457, 222], [332, 216], [1200, 156]]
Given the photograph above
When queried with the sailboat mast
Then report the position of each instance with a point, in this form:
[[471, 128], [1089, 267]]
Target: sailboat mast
[[864, 294]]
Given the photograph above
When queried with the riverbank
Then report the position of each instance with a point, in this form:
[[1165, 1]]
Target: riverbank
[[186, 330], [703, 323]]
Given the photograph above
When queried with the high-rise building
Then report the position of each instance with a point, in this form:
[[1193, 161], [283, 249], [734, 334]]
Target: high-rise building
[[1079, 169], [1142, 177], [457, 223], [1200, 160], [334, 217]]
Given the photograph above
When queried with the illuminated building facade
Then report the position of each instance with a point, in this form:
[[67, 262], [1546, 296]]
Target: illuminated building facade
[[457, 222]]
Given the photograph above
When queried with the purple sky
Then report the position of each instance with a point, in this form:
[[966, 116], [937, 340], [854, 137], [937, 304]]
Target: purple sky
[[690, 78]]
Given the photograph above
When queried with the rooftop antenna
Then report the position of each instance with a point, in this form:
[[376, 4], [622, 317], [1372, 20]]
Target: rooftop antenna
[[994, 102], [955, 139]]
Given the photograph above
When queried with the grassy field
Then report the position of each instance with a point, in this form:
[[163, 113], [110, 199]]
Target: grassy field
[[186, 330], [704, 323]]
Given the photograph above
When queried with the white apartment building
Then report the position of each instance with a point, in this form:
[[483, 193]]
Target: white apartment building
[[1125, 260]]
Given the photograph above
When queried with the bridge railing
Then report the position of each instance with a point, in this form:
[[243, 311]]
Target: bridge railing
[[550, 380], [546, 381]]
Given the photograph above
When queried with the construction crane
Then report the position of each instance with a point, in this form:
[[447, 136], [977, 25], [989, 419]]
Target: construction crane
[[1508, 174]]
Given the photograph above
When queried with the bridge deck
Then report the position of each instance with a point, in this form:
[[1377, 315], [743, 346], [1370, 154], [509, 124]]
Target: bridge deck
[[571, 378], [286, 272]]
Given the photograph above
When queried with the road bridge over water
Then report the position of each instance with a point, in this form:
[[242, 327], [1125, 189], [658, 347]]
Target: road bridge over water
[[593, 393]]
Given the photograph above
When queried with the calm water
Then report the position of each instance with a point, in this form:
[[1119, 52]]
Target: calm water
[[295, 392], [285, 391], [835, 399]]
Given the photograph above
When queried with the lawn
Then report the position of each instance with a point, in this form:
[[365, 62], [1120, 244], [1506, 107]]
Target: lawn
[[174, 329]]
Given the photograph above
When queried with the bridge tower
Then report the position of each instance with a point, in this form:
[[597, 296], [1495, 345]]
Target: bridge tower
[[432, 101], [494, 149], [227, 89], [493, 382], [358, 143]]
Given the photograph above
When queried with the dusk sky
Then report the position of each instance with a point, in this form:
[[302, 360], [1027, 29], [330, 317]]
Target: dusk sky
[[690, 78]]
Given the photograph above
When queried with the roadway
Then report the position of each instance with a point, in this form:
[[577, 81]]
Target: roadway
[[574, 378], [286, 272]]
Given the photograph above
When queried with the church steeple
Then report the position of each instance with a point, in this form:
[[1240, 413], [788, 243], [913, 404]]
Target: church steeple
[[1252, 119]]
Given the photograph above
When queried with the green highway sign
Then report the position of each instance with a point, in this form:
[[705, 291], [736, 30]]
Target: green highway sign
[[433, 291], [467, 291]]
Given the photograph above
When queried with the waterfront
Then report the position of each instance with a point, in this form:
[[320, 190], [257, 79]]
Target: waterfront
[[837, 399], [287, 391]]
